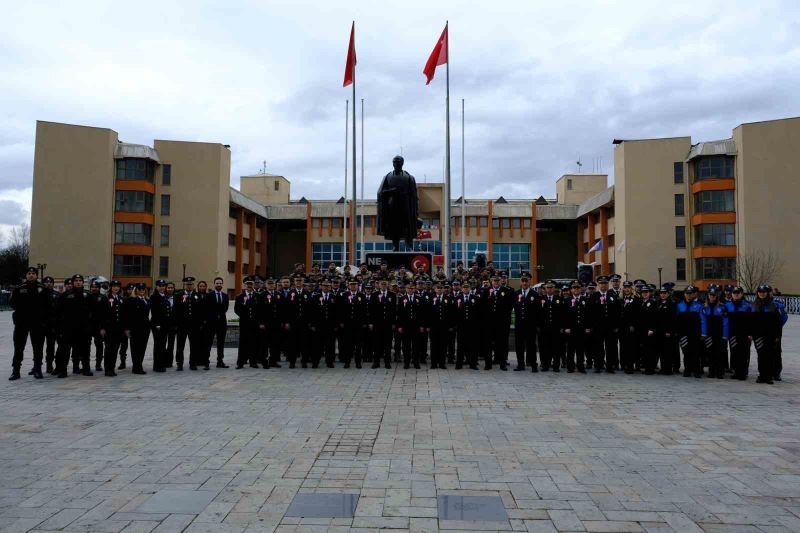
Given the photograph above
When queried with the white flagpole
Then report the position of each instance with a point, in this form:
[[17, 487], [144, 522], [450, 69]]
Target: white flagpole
[[344, 213], [363, 251], [446, 235], [355, 177], [463, 196]]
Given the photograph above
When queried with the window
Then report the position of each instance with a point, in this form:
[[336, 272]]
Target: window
[[680, 269], [427, 245], [484, 221], [232, 267], [718, 166], [679, 205], [513, 258], [516, 223], [506, 223], [715, 267], [134, 201], [430, 223], [473, 248], [714, 202], [472, 222], [714, 235], [135, 169], [495, 223], [245, 268], [277, 185], [133, 233], [326, 252], [246, 244], [164, 236], [166, 174], [165, 201], [526, 223], [163, 266], [132, 265], [233, 212], [231, 239], [680, 236], [326, 223], [314, 222], [336, 223], [569, 184], [677, 171]]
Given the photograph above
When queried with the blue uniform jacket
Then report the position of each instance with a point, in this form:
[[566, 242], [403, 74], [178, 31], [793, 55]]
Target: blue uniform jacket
[[710, 318], [688, 317]]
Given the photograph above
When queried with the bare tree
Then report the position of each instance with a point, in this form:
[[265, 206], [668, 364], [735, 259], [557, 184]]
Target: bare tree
[[19, 241], [14, 257], [757, 267]]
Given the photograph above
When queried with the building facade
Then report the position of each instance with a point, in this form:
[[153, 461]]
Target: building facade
[[677, 211]]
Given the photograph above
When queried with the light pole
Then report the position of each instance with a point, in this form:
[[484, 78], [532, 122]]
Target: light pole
[[41, 267], [184, 272], [659, 277]]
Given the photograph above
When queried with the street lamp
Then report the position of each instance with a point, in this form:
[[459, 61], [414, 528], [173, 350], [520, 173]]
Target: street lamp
[[41, 267], [659, 277], [184, 272]]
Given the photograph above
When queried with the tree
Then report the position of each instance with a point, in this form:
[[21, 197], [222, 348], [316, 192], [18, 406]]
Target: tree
[[14, 257], [757, 267]]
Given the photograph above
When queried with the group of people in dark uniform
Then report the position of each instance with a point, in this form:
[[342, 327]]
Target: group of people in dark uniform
[[375, 317]]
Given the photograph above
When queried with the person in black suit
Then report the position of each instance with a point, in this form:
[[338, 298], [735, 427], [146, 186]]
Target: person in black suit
[[525, 304], [497, 324], [467, 314], [411, 324], [440, 321], [136, 317], [550, 324], [113, 326], [271, 319], [323, 325], [246, 308], [383, 307], [186, 309], [218, 327], [606, 305], [350, 313]]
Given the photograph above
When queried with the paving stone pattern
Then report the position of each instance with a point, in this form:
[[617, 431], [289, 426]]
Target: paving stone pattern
[[563, 452]]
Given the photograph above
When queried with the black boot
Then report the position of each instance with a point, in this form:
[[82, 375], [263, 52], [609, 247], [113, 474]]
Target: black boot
[[37, 372], [14, 375]]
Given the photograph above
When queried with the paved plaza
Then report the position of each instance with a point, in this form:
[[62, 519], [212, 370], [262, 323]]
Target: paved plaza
[[229, 450]]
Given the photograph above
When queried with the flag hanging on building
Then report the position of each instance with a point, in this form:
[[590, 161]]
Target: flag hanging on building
[[597, 246], [350, 66], [437, 57], [621, 247]]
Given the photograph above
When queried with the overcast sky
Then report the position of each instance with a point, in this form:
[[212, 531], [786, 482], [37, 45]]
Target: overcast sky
[[544, 83]]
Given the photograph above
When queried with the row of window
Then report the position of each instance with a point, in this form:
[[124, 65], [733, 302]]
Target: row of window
[[707, 268], [707, 202], [139, 265], [707, 235], [140, 202], [245, 241], [137, 233], [142, 169], [718, 166]]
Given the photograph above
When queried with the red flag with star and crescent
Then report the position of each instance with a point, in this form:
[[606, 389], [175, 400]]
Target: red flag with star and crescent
[[437, 57], [350, 66]]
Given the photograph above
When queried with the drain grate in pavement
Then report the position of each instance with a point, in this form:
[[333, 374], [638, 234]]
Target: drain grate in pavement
[[323, 505]]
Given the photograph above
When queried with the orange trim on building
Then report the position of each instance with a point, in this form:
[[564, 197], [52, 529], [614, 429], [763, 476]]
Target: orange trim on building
[[135, 185], [141, 218], [134, 279], [604, 238], [308, 235], [534, 250], [264, 259], [703, 284], [718, 184], [714, 251], [591, 237], [251, 266], [133, 249], [490, 231], [713, 218], [237, 275]]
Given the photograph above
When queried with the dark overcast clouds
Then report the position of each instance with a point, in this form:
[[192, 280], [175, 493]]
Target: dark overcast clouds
[[543, 83]]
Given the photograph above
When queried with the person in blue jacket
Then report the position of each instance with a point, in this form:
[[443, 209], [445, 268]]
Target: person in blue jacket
[[688, 329], [714, 332], [768, 320], [740, 329]]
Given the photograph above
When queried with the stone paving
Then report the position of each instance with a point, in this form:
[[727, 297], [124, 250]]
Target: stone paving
[[228, 450]]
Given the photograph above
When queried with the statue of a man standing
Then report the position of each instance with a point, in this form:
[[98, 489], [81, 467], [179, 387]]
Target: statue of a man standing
[[398, 206]]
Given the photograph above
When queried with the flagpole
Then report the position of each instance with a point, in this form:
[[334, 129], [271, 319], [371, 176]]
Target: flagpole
[[446, 239], [463, 196], [361, 258], [355, 176], [344, 218]]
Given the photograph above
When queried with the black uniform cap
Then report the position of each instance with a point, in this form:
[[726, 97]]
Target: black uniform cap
[[188, 279], [77, 276], [691, 289], [32, 269], [591, 285], [602, 279], [646, 288], [764, 288], [130, 286], [615, 277], [115, 283], [737, 290], [161, 283], [94, 284], [48, 279], [627, 284], [248, 280], [575, 285]]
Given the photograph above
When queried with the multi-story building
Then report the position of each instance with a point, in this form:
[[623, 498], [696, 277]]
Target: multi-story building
[[677, 211]]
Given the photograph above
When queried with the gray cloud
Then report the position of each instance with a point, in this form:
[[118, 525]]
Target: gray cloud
[[12, 213]]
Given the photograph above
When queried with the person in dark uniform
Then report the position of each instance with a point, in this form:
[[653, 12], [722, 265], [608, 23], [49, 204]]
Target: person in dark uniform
[[714, 334], [287, 312], [271, 319], [99, 305], [498, 303], [218, 326], [550, 322], [323, 325], [50, 325], [136, 318], [31, 303], [349, 313], [185, 311], [247, 309], [688, 328], [300, 301], [367, 324], [467, 314], [130, 288], [440, 321], [662, 334], [74, 309], [646, 323], [204, 318], [410, 320], [589, 340], [161, 322], [740, 324], [451, 290], [525, 306], [630, 319], [114, 327], [607, 308], [383, 307], [616, 281], [769, 318], [577, 325]]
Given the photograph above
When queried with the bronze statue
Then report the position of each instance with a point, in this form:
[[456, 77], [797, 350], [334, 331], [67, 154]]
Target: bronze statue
[[398, 206]]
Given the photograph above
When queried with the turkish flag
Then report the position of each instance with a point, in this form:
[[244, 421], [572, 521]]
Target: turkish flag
[[438, 56], [350, 67]]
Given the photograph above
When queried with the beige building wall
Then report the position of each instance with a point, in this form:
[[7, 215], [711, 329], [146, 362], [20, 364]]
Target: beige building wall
[[584, 186], [644, 205], [72, 228], [767, 192], [262, 188], [200, 200]]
